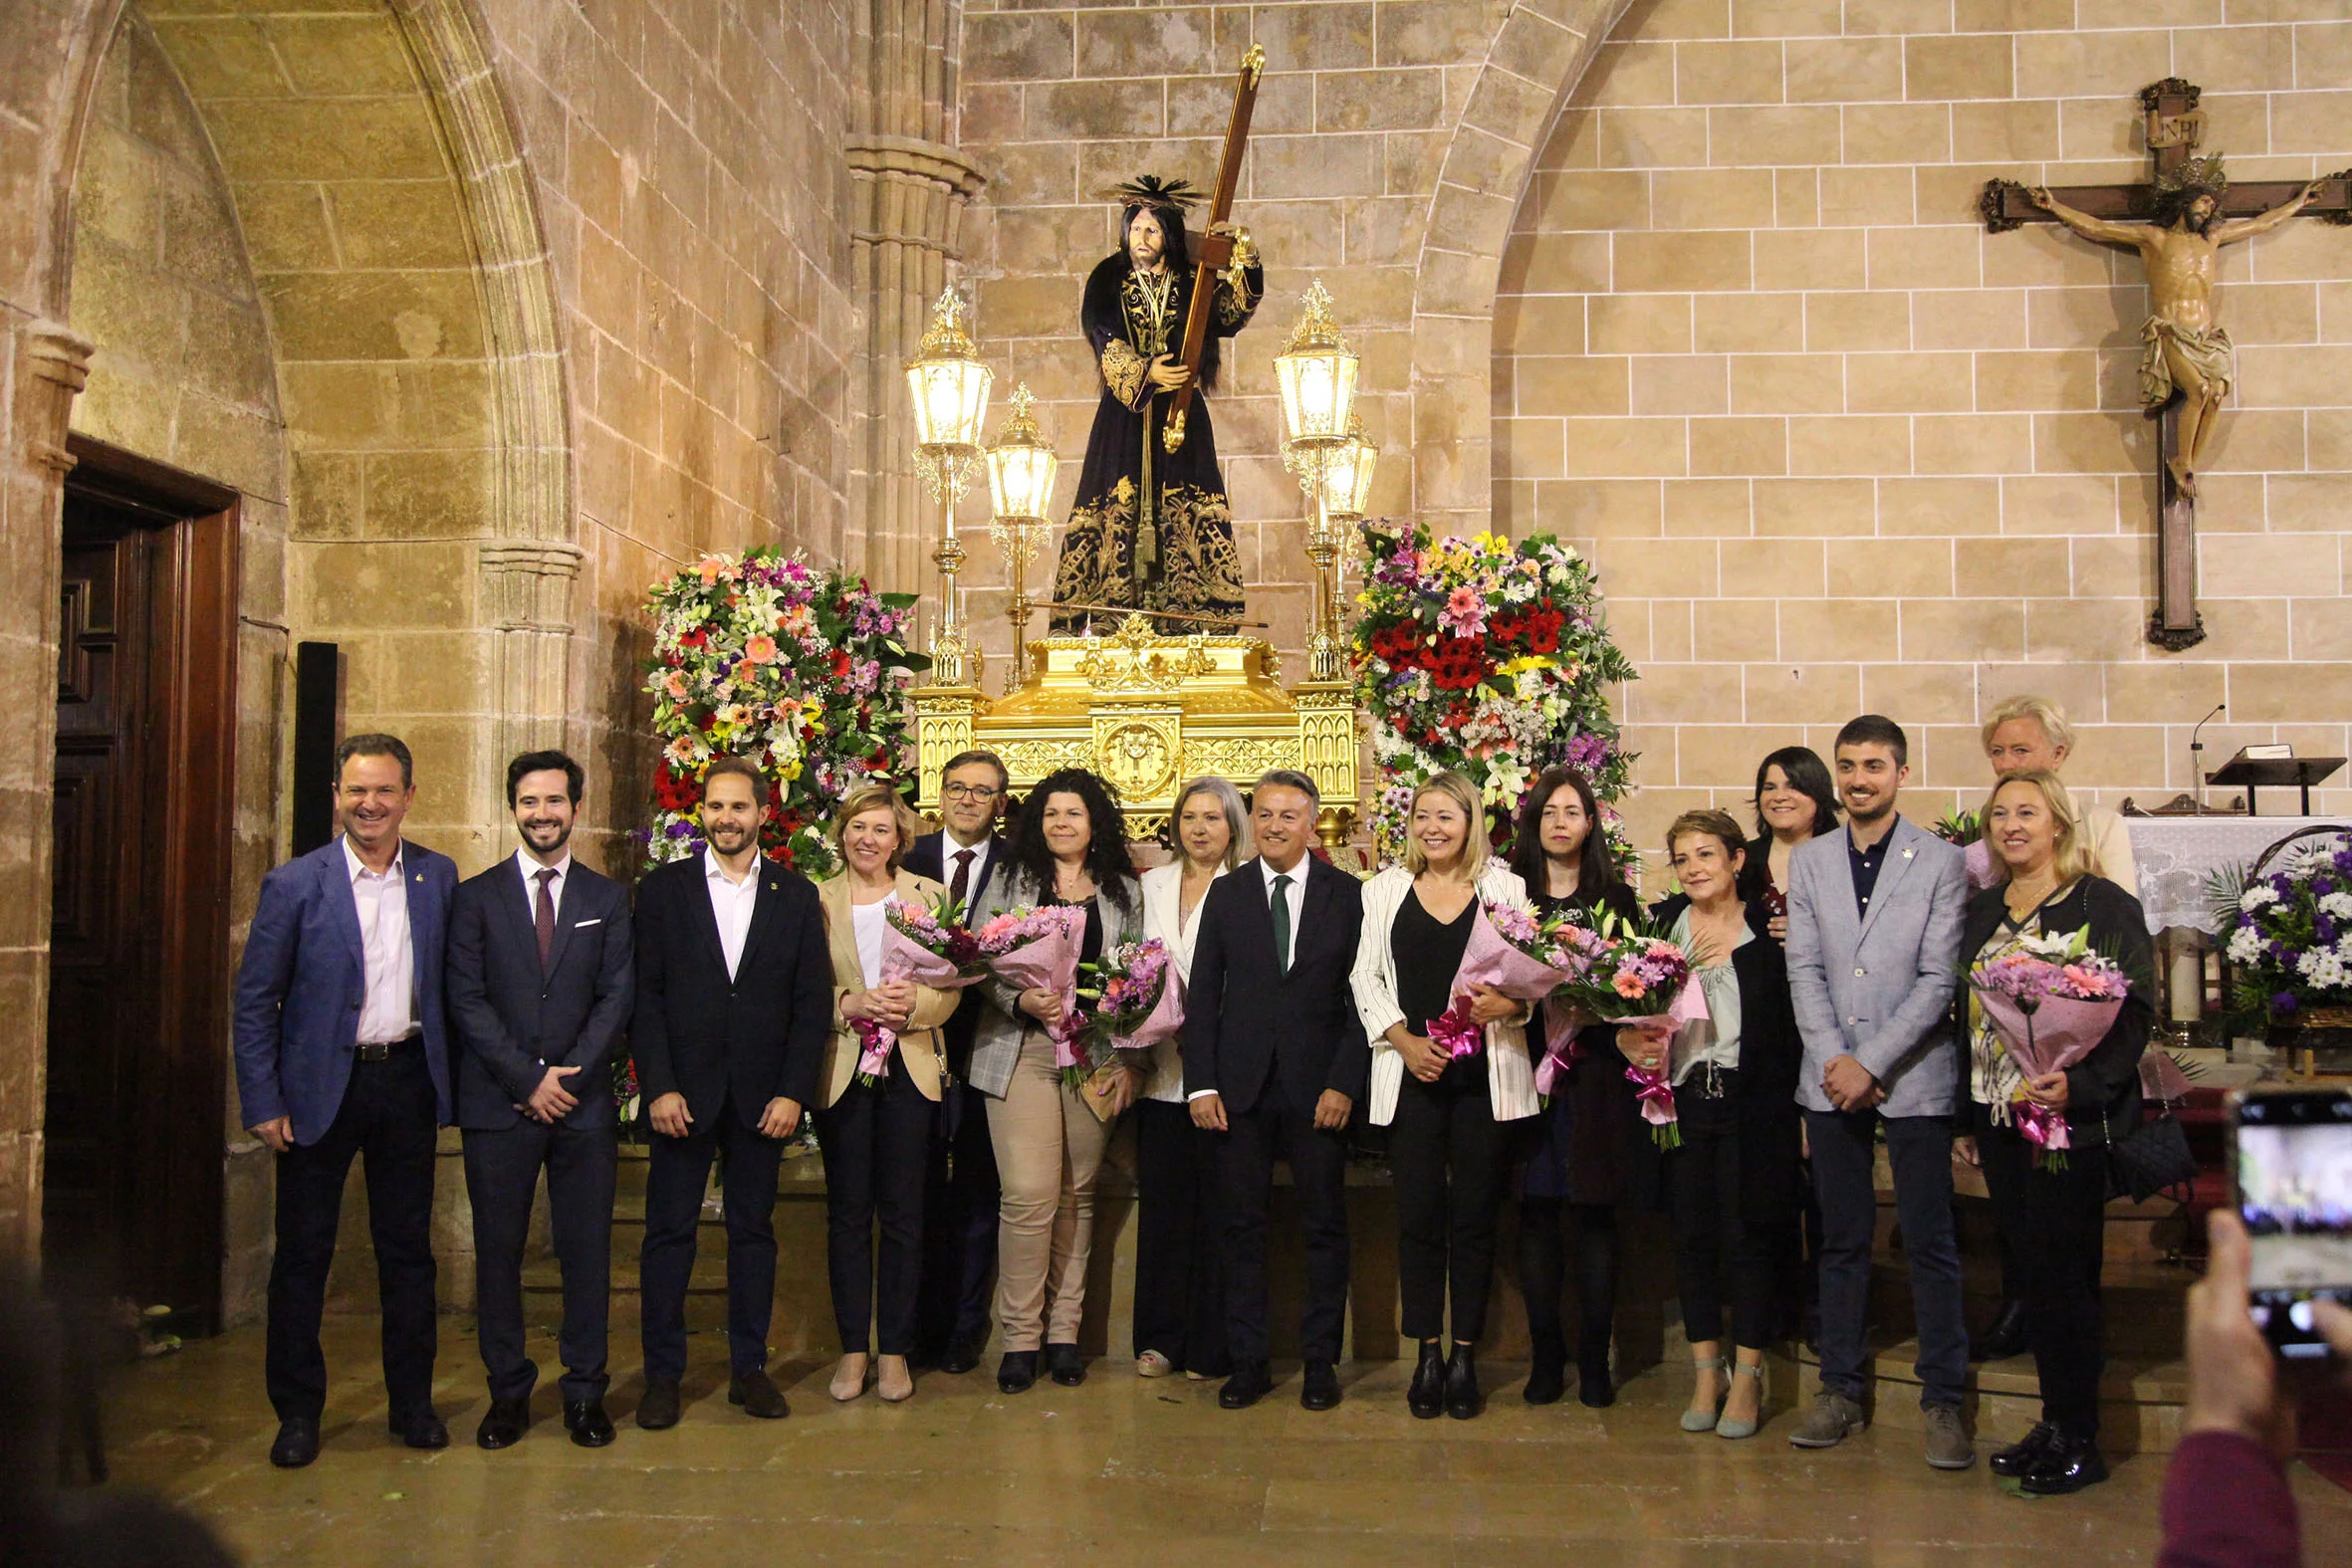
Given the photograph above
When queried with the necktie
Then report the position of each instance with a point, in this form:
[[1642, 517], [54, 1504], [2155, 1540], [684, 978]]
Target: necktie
[[961, 887], [545, 915], [1282, 922]]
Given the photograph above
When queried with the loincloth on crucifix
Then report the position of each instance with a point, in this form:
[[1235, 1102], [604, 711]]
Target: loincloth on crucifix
[[2210, 352]]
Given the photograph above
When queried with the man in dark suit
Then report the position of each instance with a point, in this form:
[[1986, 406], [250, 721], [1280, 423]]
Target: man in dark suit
[[341, 1052], [540, 982], [734, 1009], [1275, 1059], [960, 1203]]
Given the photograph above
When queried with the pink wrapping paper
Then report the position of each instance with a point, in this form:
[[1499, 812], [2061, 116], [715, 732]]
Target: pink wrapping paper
[[903, 958], [2064, 1029], [1654, 1087], [1164, 1020], [1049, 963]]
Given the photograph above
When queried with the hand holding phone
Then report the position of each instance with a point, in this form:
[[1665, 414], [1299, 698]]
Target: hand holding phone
[[2291, 1159]]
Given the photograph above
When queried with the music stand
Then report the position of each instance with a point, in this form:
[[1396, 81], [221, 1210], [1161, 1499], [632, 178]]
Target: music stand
[[2254, 772]]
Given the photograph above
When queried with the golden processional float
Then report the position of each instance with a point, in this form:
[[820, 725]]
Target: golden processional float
[[1147, 709]]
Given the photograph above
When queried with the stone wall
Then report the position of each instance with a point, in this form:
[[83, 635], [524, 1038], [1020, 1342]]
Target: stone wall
[[1836, 449]]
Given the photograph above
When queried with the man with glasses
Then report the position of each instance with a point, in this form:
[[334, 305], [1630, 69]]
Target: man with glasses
[[960, 1207]]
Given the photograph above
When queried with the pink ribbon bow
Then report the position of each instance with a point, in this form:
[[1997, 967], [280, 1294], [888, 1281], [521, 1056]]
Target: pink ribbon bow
[[1455, 1031], [1561, 1049], [875, 1045], [2042, 1127]]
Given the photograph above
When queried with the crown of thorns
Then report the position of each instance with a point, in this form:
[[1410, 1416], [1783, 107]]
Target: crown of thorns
[[2195, 174], [1163, 195]]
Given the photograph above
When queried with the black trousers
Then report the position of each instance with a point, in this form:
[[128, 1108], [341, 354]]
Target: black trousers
[[1275, 1129], [960, 1198], [878, 1152], [677, 1171], [1545, 1249], [502, 1167], [1448, 1155], [2054, 1222], [1716, 1250], [1180, 1240], [388, 1116]]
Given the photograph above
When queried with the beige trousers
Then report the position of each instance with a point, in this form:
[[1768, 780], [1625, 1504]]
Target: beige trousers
[[1048, 1147]]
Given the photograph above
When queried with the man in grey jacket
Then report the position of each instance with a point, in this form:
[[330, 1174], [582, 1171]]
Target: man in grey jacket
[[1874, 920]]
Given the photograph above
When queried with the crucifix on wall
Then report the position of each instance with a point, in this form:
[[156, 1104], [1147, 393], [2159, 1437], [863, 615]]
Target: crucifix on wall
[[2177, 222]]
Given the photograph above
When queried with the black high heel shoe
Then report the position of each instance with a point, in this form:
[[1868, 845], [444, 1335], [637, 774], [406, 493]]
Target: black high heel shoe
[[1464, 1401], [1426, 1399]]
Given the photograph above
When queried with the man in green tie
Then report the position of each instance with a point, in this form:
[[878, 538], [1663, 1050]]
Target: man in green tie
[[1275, 1060]]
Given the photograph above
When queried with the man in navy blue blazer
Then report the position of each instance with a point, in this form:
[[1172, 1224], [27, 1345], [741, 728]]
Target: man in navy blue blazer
[[960, 1201], [342, 1050], [541, 975]]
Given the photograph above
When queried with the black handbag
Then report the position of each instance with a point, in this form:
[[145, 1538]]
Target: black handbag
[[2153, 1156]]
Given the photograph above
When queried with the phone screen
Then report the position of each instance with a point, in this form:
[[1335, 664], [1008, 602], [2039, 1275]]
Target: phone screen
[[2295, 1192]]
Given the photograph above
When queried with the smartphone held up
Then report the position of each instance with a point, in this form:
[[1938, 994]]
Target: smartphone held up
[[2292, 1154]]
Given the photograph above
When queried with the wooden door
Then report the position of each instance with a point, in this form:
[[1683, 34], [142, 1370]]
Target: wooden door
[[137, 1065]]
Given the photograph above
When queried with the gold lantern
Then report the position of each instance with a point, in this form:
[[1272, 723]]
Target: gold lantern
[[1021, 468], [1317, 374], [949, 387]]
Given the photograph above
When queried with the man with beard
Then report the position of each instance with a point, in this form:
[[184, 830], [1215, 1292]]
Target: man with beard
[[734, 1008], [1150, 528], [341, 1052], [1874, 919], [540, 982], [2182, 346]]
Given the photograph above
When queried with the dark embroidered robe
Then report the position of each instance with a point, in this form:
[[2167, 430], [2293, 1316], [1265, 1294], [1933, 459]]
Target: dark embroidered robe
[[1151, 528]]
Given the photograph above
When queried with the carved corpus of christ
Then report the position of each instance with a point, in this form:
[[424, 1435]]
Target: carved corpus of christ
[[2178, 224]]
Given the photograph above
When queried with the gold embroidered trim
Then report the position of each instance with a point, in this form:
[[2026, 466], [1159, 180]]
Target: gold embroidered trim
[[1123, 371]]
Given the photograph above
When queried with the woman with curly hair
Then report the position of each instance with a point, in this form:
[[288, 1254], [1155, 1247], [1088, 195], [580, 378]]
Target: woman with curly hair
[[1071, 848]]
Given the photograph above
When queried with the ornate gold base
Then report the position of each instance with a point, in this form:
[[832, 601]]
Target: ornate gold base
[[1150, 713]]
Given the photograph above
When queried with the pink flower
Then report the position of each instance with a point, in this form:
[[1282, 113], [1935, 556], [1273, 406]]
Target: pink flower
[[759, 648], [1464, 613]]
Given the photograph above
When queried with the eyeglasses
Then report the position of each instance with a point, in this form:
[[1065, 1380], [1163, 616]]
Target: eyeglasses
[[966, 791]]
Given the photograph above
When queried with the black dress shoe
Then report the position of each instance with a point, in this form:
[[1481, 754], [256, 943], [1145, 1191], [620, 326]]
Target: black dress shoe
[[1595, 1390], [1462, 1399], [422, 1430], [502, 1427], [759, 1396], [1018, 1372], [297, 1445], [2007, 1336], [1250, 1383], [1426, 1399], [585, 1420], [658, 1410], [1548, 1374], [2020, 1458], [2068, 1464], [1320, 1389], [1064, 1365], [961, 1356]]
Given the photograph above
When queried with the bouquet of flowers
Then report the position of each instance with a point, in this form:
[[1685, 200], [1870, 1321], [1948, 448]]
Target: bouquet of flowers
[[930, 947], [1561, 1017], [1488, 656], [1517, 955], [1036, 948], [2051, 999], [1132, 1000], [1641, 975], [2288, 936]]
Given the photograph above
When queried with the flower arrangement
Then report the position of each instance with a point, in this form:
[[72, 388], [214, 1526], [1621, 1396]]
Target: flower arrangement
[[1037, 949], [2289, 938], [927, 947], [1134, 1002], [2051, 999], [1487, 656], [800, 669], [1515, 953], [1639, 975]]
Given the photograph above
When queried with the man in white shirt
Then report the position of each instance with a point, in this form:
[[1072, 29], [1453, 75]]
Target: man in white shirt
[[341, 1052]]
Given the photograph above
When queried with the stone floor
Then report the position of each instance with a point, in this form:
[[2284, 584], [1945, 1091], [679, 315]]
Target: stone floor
[[1119, 1471]]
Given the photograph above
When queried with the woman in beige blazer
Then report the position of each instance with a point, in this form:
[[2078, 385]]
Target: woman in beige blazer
[[877, 1138]]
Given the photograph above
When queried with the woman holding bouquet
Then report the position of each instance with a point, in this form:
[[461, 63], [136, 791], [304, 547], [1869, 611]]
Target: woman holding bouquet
[[1444, 1106], [1071, 849], [1179, 1234], [2050, 1202], [1733, 1174], [1583, 1145], [876, 1136]]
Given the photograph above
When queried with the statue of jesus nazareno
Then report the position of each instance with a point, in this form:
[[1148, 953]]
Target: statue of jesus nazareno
[[1151, 530]]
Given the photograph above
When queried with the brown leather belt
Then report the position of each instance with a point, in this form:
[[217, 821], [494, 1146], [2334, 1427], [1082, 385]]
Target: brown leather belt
[[381, 1050]]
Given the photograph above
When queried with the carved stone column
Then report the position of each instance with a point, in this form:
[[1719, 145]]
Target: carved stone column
[[911, 189], [45, 366], [527, 591]]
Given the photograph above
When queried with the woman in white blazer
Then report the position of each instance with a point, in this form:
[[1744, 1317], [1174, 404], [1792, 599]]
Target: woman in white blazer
[[1447, 1148], [1179, 1223]]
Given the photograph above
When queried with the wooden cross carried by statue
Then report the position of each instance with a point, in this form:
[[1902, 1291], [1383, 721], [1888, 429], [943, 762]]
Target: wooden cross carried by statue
[[2177, 222]]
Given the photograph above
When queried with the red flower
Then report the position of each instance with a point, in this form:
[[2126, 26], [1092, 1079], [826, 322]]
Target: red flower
[[840, 663], [695, 638]]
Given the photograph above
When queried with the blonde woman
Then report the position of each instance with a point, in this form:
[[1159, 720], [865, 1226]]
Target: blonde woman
[[1445, 1115], [2025, 733], [1179, 1223], [877, 1138]]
